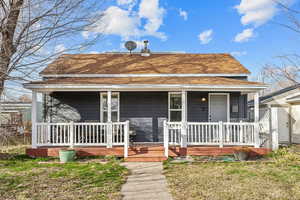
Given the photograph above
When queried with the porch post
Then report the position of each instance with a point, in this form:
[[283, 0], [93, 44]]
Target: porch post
[[34, 120], [109, 127], [184, 119], [256, 120]]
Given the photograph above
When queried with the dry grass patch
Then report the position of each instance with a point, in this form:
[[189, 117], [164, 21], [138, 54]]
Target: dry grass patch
[[277, 180], [24, 178]]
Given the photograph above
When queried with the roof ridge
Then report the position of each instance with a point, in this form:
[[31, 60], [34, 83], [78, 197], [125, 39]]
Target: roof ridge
[[138, 53]]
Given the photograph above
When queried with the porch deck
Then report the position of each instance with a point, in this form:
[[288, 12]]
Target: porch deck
[[180, 139], [144, 153]]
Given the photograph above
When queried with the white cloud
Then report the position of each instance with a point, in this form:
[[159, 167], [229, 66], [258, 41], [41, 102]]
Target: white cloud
[[85, 34], [117, 21], [244, 36], [128, 23], [206, 36], [125, 2], [150, 10], [183, 14], [140, 44], [94, 52], [258, 12], [59, 48], [238, 53]]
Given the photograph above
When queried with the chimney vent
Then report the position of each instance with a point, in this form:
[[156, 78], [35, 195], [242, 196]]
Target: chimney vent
[[145, 51]]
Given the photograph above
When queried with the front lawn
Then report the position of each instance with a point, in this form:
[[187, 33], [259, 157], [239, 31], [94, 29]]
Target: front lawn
[[275, 178], [24, 178]]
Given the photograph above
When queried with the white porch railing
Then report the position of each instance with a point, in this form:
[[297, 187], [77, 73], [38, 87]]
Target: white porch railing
[[83, 134], [210, 133]]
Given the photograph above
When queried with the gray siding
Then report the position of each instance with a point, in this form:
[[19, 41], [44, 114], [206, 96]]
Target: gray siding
[[74, 106], [197, 109], [146, 112]]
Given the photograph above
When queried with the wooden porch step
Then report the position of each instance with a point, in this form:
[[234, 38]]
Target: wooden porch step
[[145, 154]]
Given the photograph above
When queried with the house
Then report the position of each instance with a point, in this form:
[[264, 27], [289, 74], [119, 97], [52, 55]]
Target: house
[[12, 112], [165, 103], [280, 114], [13, 117]]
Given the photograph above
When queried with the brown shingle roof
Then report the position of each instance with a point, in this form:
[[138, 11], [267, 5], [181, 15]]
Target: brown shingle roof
[[112, 63], [151, 80]]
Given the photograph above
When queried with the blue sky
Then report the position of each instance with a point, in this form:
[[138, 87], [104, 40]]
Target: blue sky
[[172, 25], [247, 29]]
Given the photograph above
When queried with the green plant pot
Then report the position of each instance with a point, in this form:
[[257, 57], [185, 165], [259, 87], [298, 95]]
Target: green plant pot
[[66, 155], [241, 155]]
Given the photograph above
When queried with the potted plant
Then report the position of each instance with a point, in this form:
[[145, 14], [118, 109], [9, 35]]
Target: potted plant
[[67, 155], [241, 153]]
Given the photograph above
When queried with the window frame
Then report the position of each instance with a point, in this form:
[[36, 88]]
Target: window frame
[[102, 94], [174, 109]]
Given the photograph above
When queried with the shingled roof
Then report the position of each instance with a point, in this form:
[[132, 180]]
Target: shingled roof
[[160, 63]]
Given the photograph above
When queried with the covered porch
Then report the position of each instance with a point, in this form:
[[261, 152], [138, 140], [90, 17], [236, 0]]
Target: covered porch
[[170, 116]]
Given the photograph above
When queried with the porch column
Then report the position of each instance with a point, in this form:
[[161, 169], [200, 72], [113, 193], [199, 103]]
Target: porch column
[[184, 119], [109, 128], [34, 120], [256, 120]]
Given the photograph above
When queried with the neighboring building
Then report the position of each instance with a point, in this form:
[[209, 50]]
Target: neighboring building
[[280, 114], [167, 98], [14, 112]]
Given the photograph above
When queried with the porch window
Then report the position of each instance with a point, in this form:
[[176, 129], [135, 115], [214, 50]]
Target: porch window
[[175, 106], [114, 107]]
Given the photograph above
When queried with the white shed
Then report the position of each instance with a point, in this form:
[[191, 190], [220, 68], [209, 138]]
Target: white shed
[[280, 115]]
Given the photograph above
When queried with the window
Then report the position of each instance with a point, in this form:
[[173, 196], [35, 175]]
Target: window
[[114, 107], [175, 106]]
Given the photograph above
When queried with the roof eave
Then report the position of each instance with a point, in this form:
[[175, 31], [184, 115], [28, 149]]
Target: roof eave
[[103, 87]]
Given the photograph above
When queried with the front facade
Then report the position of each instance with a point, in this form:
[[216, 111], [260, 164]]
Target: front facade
[[168, 99], [146, 110]]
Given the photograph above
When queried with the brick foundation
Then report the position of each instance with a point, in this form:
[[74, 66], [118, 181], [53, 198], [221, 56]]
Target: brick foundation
[[140, 152]]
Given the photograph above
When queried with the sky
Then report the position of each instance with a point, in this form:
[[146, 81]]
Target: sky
[[248, 29]]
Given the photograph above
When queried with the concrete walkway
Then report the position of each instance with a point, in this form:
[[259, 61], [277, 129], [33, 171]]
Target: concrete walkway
[[146, 181]]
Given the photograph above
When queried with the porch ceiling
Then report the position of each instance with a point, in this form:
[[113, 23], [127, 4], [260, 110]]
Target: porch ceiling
[[147, 83]]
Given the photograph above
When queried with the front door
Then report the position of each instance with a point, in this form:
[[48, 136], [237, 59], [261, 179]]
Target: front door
[[218, 107], [283, 125]]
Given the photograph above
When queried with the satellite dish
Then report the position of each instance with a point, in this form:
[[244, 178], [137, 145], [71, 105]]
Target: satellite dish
[[130, 46]]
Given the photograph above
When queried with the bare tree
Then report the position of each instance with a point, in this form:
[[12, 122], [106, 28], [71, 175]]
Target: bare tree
[[29, 29], [292, 16], [283, 73], [285, 70]]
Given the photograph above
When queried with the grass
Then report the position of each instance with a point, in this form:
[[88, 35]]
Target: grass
[[22, 177], [276, 179]]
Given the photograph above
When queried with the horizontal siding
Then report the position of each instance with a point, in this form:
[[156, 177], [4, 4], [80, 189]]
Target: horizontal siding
[[197, 109], [75, 106], [146, 112]]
